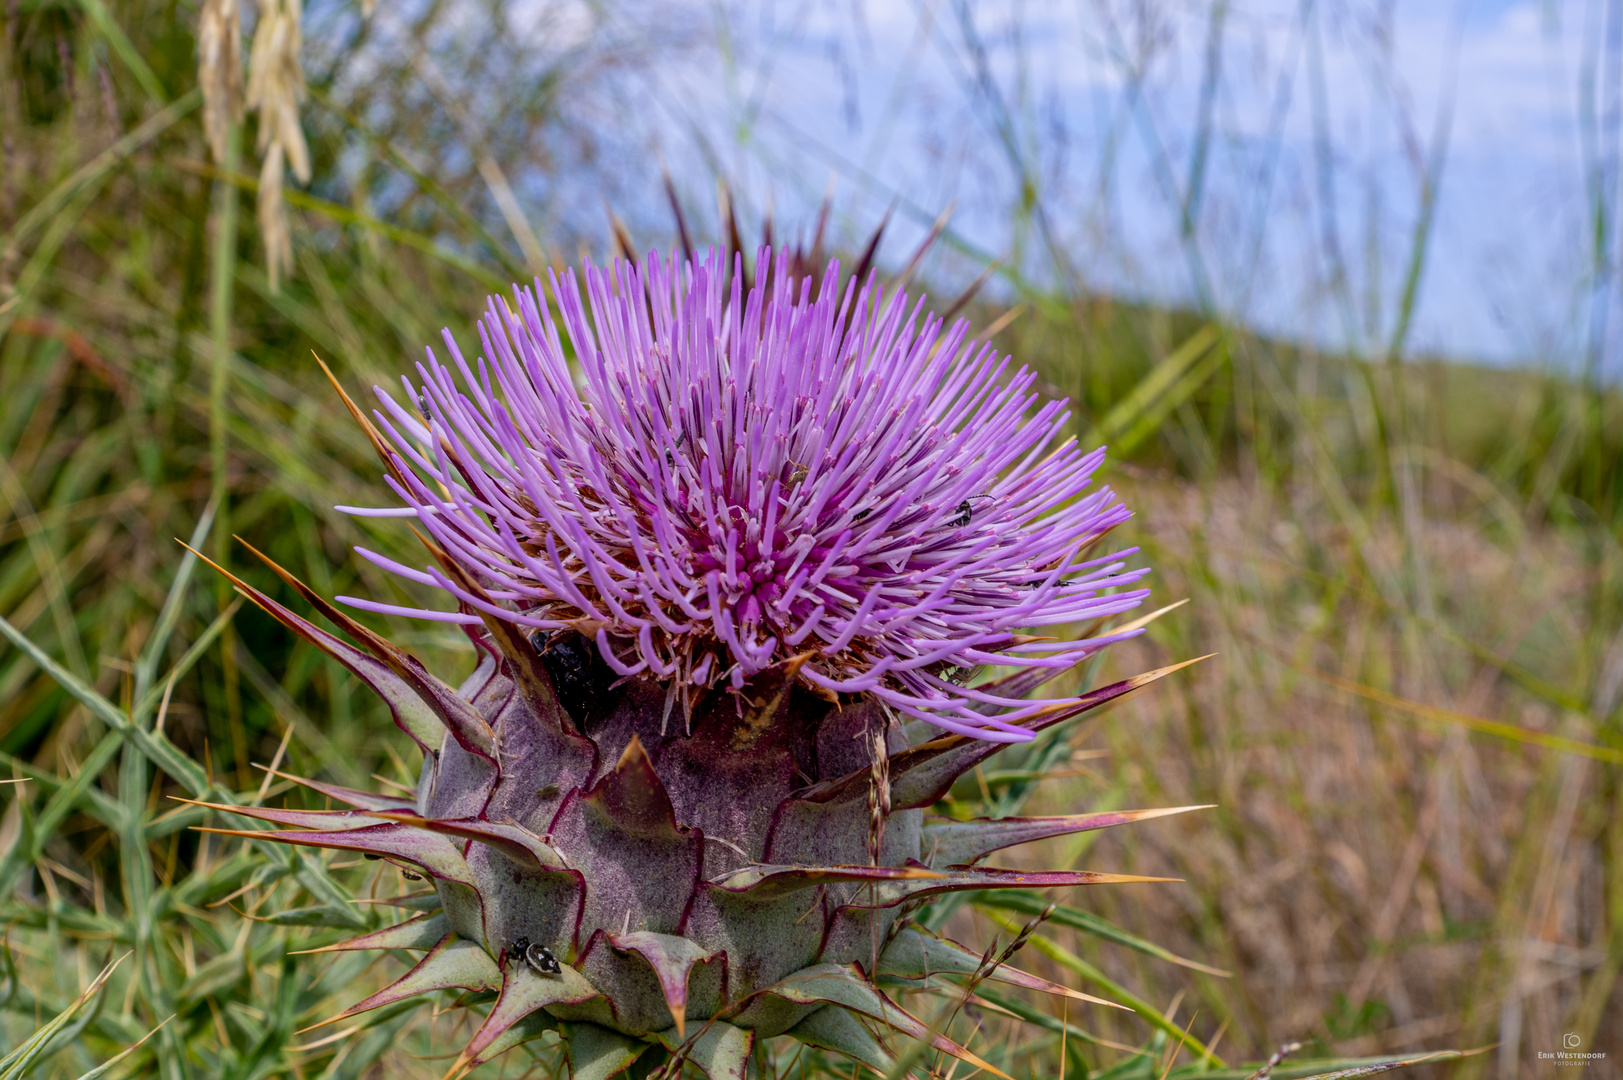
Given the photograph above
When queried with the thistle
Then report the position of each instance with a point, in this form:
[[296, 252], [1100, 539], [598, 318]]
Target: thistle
[[730, 587]]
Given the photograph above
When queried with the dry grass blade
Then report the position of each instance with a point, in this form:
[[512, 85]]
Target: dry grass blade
[[1274, 1060], [1510, 732], [80, 349], [1386, 1066]]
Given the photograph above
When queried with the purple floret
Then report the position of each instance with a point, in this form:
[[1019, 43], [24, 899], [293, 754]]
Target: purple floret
[[734, 480]]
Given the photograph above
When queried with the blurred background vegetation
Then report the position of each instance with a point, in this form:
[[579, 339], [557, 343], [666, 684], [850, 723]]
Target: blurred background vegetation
[[1408, 565]]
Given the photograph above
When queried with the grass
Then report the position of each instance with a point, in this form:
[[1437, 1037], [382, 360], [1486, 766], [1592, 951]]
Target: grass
[[1410, 572]]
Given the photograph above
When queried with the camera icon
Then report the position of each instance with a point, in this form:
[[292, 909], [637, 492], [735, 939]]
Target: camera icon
[[1570, 1041]]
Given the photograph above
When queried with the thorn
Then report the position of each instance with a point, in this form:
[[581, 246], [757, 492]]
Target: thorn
[[1145, 620], [326, 1041], [865, 263], [634, 749], [792, 666], [969, 294], [681, 219], [929, 241], [622, 238], [345, 1015]]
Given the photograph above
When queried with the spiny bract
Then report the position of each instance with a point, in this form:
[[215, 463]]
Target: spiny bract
[[796, 517]]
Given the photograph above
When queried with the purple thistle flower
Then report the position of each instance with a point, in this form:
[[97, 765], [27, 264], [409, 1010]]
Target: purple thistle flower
[[734, 481]]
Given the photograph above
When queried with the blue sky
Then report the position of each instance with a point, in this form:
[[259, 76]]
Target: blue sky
[[1338, 106], [1067, 135]]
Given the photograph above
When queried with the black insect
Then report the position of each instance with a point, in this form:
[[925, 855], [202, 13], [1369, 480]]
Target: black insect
[[517, 949], [579, 675], [860, 515], [966, 513], [369, 857], [670, 457], [409, 876], [541, 960]]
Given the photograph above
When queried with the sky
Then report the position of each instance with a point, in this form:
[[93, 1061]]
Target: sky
[[1419, 177], [1067, 136]]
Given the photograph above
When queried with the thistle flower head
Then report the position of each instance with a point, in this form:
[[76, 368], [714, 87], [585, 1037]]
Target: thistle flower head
[[722, 482]]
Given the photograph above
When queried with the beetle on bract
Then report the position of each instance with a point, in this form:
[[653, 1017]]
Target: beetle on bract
[[541, 960]]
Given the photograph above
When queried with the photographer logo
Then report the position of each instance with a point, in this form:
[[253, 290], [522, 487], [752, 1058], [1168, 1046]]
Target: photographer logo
[[1570, 1055]]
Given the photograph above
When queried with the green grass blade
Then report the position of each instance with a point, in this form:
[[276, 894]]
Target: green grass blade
[[163, 753], [125, 48], [345, 216], [101, 807], [1161, 378], [1497, 728], [104, 710], [169, 614], [94, 169], [63, 803], [1150, 422], [20, 1061], [78, 788], [47, 565], [1317, 1069], [1065, 958], [69, 795], [102, 1069], [204, 642], [907, 1059], [1034, 1016], [1024, 903], [8, 964]]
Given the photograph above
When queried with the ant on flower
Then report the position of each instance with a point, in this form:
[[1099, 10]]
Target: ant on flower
[[966, 513]]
